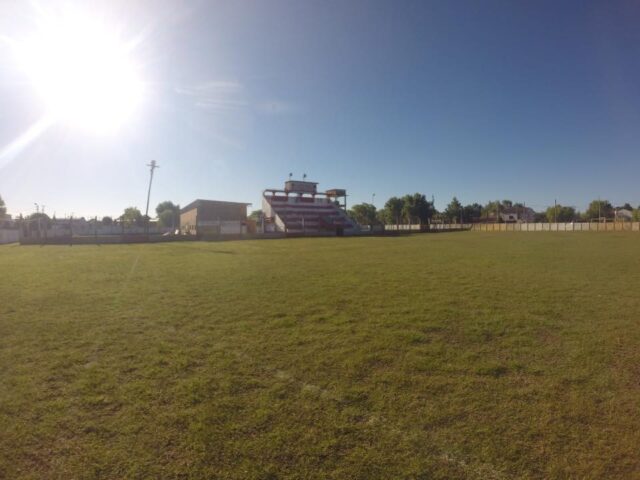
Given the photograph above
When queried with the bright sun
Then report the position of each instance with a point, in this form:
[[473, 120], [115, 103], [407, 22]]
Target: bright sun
[[83, 72]]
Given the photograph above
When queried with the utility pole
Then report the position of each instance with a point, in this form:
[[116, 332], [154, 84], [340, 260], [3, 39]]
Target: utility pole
[[373, 199], [38, 217], [152, 166]]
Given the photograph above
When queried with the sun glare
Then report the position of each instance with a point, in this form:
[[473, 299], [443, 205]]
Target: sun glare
[[83, 72]]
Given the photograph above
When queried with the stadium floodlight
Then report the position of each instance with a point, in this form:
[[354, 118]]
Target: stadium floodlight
[[152, 166]]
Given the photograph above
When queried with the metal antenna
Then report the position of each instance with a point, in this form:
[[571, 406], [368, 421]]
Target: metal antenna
[[152, 166]]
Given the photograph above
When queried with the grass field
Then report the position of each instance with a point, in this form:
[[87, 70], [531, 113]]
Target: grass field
[[464, 355]]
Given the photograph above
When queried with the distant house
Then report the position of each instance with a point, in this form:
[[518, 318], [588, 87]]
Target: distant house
[[214, 217], [624, 214], [517, 214]]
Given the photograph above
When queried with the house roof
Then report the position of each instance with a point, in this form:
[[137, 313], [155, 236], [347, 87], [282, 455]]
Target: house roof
[[512, 210], [200, 202]]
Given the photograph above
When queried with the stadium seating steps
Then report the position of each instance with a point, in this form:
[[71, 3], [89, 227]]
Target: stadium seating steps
[[308, 216]]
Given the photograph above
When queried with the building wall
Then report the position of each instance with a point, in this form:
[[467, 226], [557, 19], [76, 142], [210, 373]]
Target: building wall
[[188, 221], [222, 212], [226, 227], [215, 219]]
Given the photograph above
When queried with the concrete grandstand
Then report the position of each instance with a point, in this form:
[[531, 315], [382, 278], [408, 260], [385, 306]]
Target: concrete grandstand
[[299, 209]]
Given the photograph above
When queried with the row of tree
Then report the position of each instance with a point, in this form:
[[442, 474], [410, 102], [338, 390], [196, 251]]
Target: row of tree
[[416, 209], [413, 209], [167, 212], [597, 209]]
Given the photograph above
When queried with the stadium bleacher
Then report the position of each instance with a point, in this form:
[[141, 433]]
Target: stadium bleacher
[[301, 209]]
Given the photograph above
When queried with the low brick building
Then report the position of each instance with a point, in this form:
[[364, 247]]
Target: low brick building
[[214, 217]]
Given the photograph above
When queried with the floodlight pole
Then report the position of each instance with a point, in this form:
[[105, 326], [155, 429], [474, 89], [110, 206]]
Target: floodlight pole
[[152, 166], [38, 216]]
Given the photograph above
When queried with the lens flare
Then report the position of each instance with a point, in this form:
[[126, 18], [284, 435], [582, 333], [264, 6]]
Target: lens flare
[[82, 70]]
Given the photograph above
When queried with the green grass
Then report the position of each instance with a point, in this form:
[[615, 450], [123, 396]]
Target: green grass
[[465, 355]]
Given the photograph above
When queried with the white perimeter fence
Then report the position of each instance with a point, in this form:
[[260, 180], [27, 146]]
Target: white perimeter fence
[[522, 227], [9, 236], [558, 227]]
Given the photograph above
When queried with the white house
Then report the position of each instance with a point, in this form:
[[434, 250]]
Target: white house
[[517, 214]]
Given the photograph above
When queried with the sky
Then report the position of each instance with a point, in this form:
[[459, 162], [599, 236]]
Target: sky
[[484, 100]]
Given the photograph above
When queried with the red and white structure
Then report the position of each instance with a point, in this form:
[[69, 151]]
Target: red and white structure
[[300, 209]]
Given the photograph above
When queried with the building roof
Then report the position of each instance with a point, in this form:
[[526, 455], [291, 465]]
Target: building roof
[[200, 202]]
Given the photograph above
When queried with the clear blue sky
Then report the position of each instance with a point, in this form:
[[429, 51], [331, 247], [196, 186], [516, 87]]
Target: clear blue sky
[[531, 101]]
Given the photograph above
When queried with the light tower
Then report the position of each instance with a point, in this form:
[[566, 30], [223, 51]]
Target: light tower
[[152, 166]]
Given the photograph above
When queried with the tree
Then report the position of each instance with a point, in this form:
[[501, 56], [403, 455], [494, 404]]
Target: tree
[[599, 209], [492, 209], [132, 216], [40, 215], [416, 208], [256, 215], [540, 217], [41, 219], [364, 214], [168, 214], [558, 213], [454, 210], [472, 213], [3, 208], [393, 210], [107, 221]]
